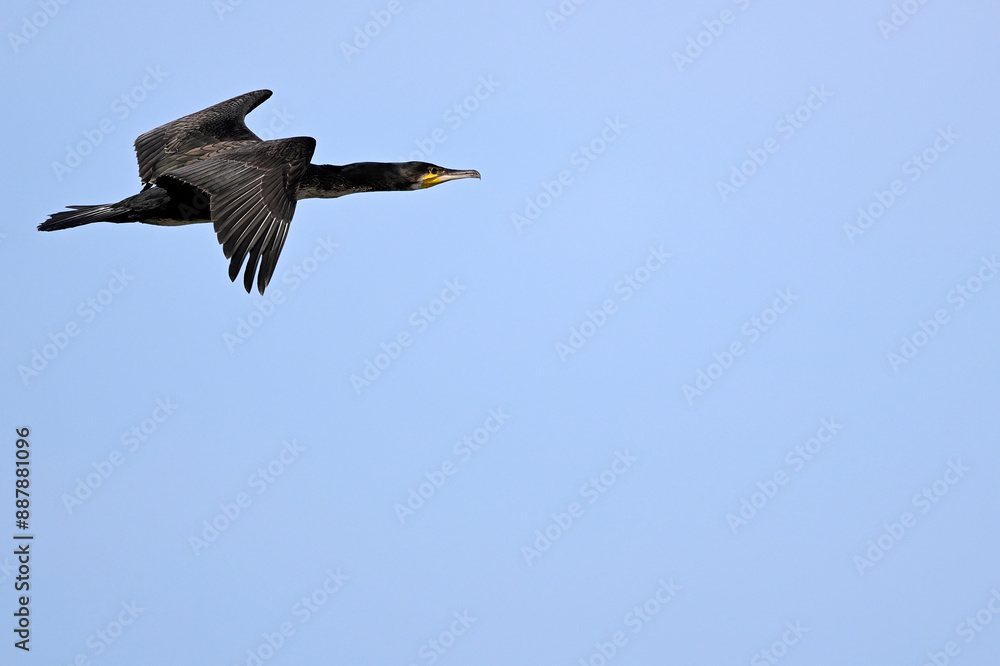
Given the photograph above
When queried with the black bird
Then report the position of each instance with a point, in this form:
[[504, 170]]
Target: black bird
[[208, 167]]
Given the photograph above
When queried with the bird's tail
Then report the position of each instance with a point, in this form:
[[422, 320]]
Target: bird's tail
[[81, 215]]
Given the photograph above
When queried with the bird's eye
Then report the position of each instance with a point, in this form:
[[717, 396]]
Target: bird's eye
[[434, 171]]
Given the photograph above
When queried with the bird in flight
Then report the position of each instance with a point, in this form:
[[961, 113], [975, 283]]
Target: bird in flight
[[208, 167]]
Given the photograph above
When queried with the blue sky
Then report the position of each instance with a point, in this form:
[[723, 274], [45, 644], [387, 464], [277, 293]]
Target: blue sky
[[703, 370]]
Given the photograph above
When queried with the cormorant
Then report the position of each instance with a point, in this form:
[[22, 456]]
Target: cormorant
[[208, 167]]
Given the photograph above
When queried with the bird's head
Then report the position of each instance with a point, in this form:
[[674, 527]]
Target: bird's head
[[421, 175]]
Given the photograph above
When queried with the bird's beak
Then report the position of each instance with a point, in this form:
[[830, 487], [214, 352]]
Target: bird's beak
[[430, 180]]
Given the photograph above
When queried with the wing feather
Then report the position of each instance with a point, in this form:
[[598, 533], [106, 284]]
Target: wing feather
[[270, 258], [197, 136], [252, 193]]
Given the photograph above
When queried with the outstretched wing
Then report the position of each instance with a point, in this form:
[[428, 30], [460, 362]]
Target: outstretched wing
[[197, 136], [252, 192]]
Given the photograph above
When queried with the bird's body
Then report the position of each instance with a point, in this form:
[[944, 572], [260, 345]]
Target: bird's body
[[208, 167]]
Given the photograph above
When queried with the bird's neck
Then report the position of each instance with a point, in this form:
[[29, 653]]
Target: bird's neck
[[326, 181]]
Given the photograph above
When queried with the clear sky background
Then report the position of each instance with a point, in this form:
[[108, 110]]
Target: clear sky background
[[714, 413]]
